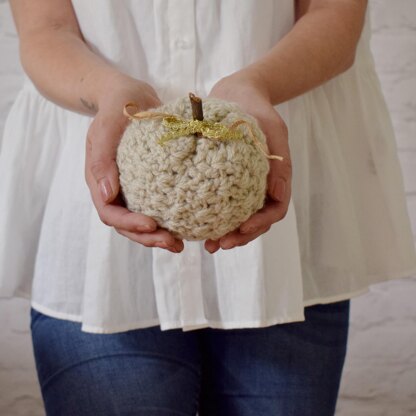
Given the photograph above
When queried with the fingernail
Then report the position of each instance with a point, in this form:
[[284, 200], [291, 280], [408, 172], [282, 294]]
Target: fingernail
[[210, 250], [175, 249], [248, 230], [279, 190], [146, 228], [105, 188], [226, 245]]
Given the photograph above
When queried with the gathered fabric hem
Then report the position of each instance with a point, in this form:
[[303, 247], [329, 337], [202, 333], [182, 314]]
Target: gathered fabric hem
[[376, 279], [166, 325], [215, 324]]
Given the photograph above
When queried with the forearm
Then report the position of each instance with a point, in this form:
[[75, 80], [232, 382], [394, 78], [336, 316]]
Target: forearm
[[56, 58], [65, 70], [320, 46]]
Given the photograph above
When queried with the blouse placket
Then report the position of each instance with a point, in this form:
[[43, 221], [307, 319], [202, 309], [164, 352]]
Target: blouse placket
[[184, 289]]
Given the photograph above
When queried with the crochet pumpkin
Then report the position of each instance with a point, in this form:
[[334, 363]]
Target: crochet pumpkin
[[199, 179]]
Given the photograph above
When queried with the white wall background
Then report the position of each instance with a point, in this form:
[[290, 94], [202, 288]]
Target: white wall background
[[380, 371]]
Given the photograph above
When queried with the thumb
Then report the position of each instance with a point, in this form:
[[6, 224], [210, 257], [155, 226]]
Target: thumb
[[276, 187], [101, 160], [280, 170], [105, 173]]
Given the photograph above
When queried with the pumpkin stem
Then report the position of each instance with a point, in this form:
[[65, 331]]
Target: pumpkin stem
[[197, 112]]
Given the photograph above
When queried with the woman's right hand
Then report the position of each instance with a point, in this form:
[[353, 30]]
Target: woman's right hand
[[101, 172]]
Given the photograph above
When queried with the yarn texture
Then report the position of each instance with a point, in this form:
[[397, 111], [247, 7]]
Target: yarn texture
[[195, 187]]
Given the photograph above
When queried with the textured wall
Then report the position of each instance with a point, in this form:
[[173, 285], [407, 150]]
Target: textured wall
[[19, 391], [380, 369]]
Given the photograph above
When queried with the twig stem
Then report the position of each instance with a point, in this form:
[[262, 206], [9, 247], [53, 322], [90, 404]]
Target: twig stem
[[197, 113]]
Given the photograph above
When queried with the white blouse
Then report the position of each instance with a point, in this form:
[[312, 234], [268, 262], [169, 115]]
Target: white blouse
[[347, 226]]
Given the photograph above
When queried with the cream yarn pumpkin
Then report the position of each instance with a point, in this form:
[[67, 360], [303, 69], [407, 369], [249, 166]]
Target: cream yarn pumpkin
[[195, 187]]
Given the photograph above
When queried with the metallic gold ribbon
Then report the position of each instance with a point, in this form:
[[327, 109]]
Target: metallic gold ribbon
[[179, 126]]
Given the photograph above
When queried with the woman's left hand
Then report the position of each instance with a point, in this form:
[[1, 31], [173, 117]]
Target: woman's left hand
[[245, 89]]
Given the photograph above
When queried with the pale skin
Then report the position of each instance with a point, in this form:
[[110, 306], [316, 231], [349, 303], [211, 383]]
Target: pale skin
[[320, 46]]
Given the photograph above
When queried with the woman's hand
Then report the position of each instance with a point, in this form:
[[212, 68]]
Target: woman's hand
[[247, 90], [101, 172]]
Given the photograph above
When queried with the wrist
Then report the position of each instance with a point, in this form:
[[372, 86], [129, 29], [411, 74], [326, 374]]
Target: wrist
[[246, 88], [98, 85], [252, 77], [113, 89]]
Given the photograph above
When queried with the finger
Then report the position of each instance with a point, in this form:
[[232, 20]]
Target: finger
[[120, 217], [271, 212], [238, 239], [117, 215], [212, 245], [160, 238], [102, 142], [234, 238], [280, 171]]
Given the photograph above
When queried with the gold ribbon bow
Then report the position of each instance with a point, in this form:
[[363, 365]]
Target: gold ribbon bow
[[213, 130], [179, 126]]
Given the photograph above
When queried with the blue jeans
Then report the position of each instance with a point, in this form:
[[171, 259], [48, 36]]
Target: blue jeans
[[291, 369]]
